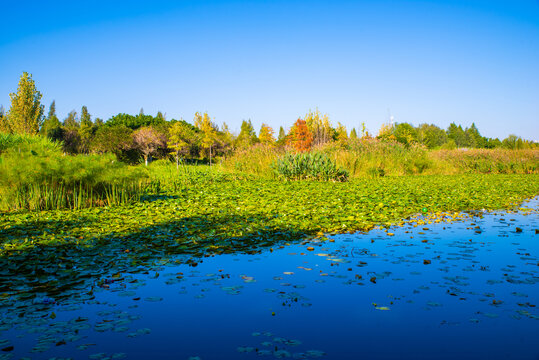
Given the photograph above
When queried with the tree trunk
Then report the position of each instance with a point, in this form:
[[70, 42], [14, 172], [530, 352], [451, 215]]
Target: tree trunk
[[210, 155], [146, 160]]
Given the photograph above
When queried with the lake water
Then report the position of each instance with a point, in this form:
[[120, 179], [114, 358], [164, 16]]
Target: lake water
[[466, 289]]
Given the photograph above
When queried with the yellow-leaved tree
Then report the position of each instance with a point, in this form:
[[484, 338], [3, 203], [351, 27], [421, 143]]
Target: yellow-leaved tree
[[319, 126], [209, 131], [181, 135], [266, 134]]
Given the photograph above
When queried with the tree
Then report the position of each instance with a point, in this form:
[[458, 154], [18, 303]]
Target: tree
[[52, 128], [456, 134], [114, 139], [85, 117], [282, 134], [160, 116], [431, 135], [319, 126], [209, 131], [181, 136], [474, 138], [71, 121], [353, 134], [247, 136], [405, 133], [26, 112], [300, 136], [4, 126], [148, 141], [135, 122], [266, 134], [342, 134]]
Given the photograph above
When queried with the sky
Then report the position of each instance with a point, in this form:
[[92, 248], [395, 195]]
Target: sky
[[462, 61]]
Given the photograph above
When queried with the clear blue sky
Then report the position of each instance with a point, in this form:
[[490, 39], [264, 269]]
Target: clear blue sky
[[272, 61]]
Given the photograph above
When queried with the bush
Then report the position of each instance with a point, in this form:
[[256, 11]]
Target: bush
[[308, 166]]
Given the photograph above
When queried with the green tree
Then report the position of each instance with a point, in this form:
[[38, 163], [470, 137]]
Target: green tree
[[431, 135], [247, 136], [85, 117], [405, 133], [160, 116], [456, 133], [474, 138], [114, 139], [52, 128], [72, 120], [26, 112]]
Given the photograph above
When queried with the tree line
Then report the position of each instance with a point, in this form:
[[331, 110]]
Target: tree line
[[143, 136]]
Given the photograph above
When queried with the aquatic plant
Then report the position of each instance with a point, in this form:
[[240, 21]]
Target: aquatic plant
[[309, 166]]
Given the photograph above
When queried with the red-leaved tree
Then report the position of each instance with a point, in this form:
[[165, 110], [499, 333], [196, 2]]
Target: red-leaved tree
[[302, 138]]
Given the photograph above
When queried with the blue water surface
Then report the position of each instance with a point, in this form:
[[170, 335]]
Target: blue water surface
[[464, 289]]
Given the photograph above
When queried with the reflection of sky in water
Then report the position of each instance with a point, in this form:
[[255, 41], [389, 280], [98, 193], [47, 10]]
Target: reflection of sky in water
[[372, 300]]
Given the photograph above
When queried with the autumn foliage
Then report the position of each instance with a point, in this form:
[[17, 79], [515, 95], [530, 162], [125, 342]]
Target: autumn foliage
[[301, 137]]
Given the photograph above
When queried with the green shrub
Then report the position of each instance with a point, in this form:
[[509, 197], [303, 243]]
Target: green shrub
[[308, 166]]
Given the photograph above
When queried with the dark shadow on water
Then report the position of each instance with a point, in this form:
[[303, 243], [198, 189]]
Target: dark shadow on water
[[69, 270]]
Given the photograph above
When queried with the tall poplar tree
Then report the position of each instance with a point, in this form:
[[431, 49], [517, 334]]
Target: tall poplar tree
[[26, 112]]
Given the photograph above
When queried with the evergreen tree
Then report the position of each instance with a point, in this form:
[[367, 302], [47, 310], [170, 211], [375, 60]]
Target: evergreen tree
[[353, 134], [26, 112], [52, 128], [86, 131]]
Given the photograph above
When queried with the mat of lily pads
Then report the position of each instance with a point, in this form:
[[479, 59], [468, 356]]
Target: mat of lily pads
[[438, 286]]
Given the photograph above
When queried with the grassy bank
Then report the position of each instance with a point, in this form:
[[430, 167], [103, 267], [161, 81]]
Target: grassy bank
[[374, 158]]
